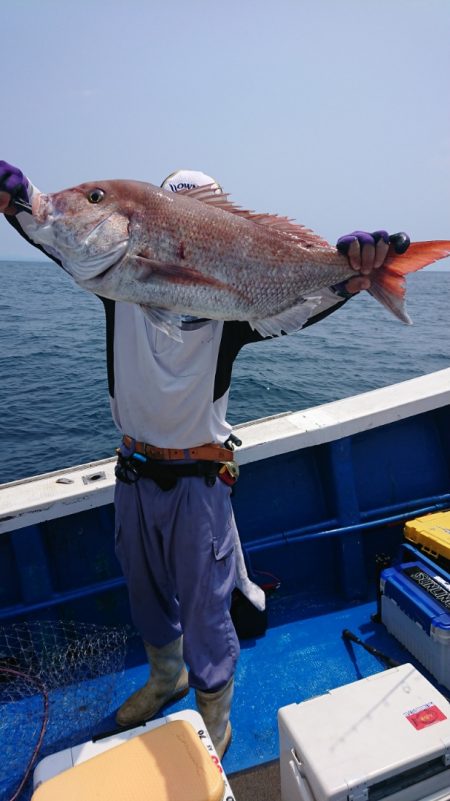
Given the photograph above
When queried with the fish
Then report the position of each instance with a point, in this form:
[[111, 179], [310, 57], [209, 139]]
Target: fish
[[197, 253]]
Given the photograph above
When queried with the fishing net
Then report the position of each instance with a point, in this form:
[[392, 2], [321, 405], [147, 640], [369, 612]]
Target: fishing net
[[57, 684]]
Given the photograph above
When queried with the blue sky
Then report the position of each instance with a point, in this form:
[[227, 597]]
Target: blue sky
[[335, 112]]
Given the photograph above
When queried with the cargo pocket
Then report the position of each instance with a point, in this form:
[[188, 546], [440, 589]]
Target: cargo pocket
[[221, 575], [223, 536], [223, 542]]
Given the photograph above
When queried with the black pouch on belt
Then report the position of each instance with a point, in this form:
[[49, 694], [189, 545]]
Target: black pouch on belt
[[164, 475]]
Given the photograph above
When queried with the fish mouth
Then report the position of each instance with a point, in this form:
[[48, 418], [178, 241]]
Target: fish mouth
[[41, 207], [43, 218]]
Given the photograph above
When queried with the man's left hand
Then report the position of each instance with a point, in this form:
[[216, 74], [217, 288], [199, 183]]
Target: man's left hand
[[367, 252]]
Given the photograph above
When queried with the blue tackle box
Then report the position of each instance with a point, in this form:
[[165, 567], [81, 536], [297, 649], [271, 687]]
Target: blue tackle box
[[415, 608]]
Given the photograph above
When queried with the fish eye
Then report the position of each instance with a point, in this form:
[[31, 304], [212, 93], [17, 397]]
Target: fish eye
[[96, 196]]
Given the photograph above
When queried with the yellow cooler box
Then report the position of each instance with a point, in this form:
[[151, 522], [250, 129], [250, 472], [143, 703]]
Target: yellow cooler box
[[431, 535]]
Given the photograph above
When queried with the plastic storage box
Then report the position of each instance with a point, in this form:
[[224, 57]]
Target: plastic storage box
[[384, 737], [431, 534], [415, 608]]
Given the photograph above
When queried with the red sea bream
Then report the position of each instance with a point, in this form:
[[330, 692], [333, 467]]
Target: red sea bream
[[196, 253]]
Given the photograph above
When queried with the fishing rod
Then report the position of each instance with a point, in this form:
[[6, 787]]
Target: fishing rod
[[348, 635]]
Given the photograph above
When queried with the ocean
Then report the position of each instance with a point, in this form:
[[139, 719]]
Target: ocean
[[54, 409]]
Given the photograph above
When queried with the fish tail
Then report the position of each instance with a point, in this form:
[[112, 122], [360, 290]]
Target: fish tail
[[388, 283]]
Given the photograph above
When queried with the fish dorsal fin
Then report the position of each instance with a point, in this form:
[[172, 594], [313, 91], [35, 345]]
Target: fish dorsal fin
[[284, 225]]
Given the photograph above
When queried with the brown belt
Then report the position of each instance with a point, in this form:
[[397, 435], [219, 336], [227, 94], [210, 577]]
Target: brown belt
[[208, 453]]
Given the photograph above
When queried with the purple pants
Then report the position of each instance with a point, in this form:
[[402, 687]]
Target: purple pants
[[176, 549]]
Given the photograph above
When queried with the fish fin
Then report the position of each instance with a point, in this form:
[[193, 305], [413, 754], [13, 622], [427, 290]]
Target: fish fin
[[388, 283], [287, 321], [284, 225], [165, 321], [179, 273], [391, 302]]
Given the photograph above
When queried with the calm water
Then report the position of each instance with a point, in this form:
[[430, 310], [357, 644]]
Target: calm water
[[54, 409]]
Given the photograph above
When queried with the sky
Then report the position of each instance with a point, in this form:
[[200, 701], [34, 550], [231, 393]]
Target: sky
[[334, 112]]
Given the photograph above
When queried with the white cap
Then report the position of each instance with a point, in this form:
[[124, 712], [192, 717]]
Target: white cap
[[188, 179]]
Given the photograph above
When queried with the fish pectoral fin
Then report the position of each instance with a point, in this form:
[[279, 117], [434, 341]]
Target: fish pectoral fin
[[165, 321], [287, 321], [176, 273]]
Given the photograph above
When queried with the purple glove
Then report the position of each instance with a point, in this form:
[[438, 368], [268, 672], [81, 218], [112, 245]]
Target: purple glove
[[13, 182], [400, 241], [369, 258]]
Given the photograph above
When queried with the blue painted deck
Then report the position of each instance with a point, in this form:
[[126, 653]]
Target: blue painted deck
[[301, 655]]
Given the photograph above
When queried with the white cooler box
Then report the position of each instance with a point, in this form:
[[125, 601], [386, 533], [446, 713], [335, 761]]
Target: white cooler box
[[384, 737]]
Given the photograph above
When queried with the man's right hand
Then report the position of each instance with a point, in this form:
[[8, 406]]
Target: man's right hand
[[13, 184]]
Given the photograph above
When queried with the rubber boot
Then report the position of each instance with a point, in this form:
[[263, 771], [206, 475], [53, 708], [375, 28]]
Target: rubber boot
[[168, 682], [215, 711]]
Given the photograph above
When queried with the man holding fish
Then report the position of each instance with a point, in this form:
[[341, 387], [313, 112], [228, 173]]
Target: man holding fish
[[187, 279]]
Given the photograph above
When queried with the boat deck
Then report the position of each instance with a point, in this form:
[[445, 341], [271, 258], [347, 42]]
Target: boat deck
[[301, 655]]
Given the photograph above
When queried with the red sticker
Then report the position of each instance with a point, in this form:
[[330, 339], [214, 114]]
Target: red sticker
[[426, 717]]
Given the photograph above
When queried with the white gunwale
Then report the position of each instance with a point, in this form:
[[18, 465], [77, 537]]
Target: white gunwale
[[34, 500]]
